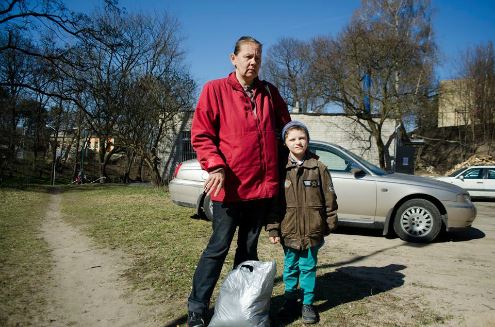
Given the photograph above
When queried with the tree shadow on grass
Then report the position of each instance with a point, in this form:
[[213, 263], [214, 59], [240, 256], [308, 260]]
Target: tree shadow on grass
[[344, 285]]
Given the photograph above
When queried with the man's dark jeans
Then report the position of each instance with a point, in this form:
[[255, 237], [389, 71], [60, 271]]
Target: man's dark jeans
[[249, 217]]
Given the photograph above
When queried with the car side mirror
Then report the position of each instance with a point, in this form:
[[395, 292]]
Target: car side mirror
[[461, 178], [355, 169]]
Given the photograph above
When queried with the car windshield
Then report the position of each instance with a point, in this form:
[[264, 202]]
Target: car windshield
[[457, 172], [374, 169]]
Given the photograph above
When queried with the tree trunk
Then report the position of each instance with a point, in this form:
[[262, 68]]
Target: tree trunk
[[130, 160]]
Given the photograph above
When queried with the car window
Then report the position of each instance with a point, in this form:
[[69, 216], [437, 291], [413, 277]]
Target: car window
[[491, 173], [475, 173], [332, 160], [457, 172]]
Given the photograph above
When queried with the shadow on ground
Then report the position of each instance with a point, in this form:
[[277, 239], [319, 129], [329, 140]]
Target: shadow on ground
[[461, 236], [347, 284]]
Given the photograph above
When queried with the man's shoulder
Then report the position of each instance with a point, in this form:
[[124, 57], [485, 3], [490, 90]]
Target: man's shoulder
[[217, 82], [266, 83]]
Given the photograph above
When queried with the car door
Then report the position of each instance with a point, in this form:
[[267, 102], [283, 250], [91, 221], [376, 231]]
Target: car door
[[472, 181], [489, 182], [356, 195]]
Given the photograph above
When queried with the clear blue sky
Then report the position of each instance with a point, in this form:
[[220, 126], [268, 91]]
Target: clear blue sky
[[211, 27]]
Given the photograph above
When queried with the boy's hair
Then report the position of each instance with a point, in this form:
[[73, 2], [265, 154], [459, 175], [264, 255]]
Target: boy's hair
[[297, 125]]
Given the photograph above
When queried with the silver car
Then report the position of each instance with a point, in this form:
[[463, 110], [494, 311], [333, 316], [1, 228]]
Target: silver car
[[416, 208]]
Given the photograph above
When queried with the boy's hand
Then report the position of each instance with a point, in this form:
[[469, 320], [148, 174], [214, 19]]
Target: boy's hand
[[274, 239]]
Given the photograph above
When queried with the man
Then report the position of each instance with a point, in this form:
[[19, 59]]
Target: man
[[234, 133]]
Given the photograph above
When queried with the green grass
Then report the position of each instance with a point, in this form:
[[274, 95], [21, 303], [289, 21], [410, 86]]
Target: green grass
[[24, 260]]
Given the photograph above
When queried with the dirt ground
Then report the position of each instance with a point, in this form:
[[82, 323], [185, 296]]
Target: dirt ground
[[86, 287], [455, 274]]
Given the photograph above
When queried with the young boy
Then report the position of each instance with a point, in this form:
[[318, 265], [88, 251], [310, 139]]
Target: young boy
[[308, 213]]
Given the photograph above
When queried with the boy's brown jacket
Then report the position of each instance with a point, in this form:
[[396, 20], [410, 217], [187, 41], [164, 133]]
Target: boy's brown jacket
[[307, 205]]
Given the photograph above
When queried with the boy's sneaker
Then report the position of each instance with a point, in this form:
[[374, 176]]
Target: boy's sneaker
[[289, 309], [309, 314], [195, 319]]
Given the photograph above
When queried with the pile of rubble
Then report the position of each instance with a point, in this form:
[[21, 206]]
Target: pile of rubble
[[474, 160]]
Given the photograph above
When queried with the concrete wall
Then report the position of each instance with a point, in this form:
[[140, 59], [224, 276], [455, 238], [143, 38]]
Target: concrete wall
[[344, 131], [334, 128]]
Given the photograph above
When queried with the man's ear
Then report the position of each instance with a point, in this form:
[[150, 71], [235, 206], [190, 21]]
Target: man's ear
[[232, 59]]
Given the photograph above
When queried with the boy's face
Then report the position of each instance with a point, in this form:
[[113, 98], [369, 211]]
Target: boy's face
[[297, 142]]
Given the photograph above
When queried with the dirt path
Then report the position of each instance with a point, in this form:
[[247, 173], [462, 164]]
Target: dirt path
[[86, 287]]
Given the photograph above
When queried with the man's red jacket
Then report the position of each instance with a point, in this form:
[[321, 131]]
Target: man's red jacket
[[227, 132]]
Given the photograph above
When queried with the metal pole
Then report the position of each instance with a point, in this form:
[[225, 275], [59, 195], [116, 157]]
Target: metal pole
[[396, 146], [54, 144], [53, 180], [81, 171]]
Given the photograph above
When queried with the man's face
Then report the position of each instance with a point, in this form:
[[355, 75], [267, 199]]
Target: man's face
[[247, 61]]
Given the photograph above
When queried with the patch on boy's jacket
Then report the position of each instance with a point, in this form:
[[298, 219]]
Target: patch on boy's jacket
[[287, 183], [312, 183]]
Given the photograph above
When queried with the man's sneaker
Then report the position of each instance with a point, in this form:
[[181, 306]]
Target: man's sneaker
[[195, 319], [309, 314], [290, 309]]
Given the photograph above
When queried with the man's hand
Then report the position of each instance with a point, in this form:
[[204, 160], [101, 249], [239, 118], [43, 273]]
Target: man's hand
[[214, 182], [274, 239]]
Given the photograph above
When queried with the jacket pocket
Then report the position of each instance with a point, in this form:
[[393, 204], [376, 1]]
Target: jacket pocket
[[316, 223], [288, 225]]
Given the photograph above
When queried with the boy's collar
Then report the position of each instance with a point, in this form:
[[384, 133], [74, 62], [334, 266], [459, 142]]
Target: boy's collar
[[294, 160], [306, 162]]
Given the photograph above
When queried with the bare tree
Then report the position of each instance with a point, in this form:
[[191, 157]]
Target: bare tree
[[477, 85], [35, 18], [15, 70], [288, 65], [161, 88], [128, 84], [380, 66]]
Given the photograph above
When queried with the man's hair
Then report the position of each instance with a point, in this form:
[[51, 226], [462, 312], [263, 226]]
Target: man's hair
[[246, 39]]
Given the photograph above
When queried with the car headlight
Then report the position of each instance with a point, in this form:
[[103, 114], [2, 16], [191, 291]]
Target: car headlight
[[464, 197]]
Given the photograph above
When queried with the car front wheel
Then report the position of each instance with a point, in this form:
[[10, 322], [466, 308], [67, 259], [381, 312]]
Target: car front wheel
[[417, 220]]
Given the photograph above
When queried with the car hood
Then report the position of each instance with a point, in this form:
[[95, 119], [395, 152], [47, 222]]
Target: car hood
[[444, 178], [421, 181], [191, 164]]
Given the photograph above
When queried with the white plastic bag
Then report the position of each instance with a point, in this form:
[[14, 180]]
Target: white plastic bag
[[245, 294]]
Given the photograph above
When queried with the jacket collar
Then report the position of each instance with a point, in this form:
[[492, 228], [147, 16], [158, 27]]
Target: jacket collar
[[309, 161], [232, 80]]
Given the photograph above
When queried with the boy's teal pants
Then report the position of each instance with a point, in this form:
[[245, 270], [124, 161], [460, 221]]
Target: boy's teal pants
[[300, 266]]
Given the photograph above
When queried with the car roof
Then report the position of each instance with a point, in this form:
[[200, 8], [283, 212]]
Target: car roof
[[326, 143]]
